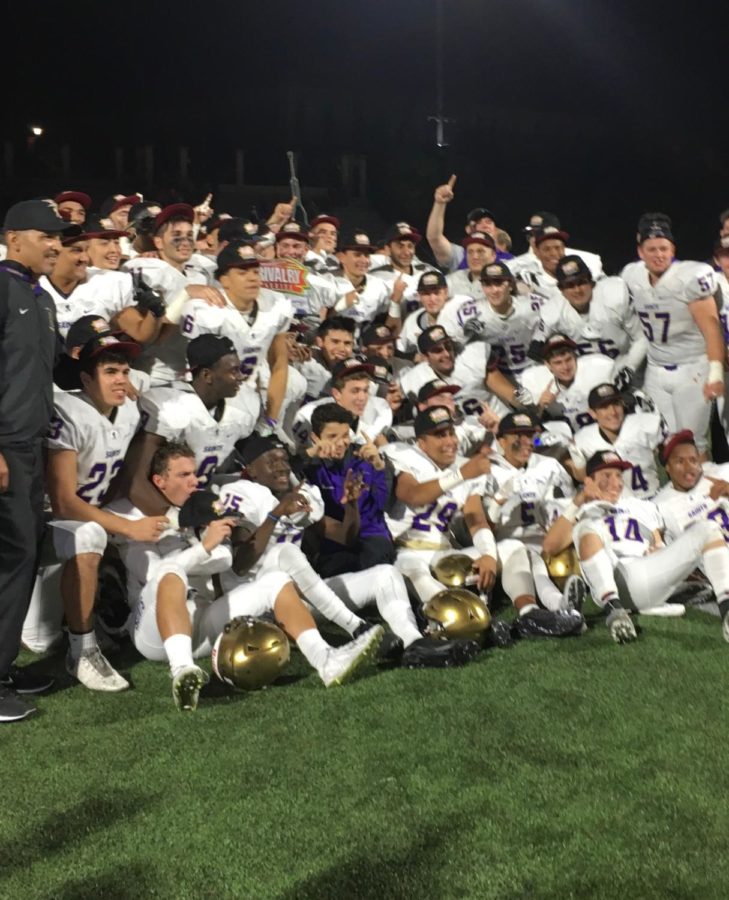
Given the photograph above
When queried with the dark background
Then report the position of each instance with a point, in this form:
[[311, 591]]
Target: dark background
[[597, 110]]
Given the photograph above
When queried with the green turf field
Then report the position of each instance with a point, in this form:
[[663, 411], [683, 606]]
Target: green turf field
[[557, 769]]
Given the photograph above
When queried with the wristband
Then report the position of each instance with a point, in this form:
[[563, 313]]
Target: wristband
[[450, 480], [174, 307], [272, 517], [394, 310], [716, 371], [570, 512], [485, 542]]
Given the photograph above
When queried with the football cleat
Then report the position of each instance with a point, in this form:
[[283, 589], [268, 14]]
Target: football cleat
[[95, 672], [621, 627], [574, 593], [499, 635], [548, 623], [342, 662], [186, 686], [431, 653]]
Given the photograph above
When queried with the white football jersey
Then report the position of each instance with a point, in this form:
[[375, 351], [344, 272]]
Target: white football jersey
[[413, 326], [376, 418], [427, 526], [100, 442], [69, 307], [636, 443], [462, 282], [610, 326], [682, 508], [177, 413], [251, 333], [533, 492], [529, 262], [509, 336], [591, 371], [389, 274], [105, 292], [373, 299], [663, 309], [628, 525]]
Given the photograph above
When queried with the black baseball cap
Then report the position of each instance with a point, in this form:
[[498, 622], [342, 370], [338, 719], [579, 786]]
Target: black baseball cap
[[605, 459], [204, 351], [236, 255], [435, 418], [431, 281], [236, 229], [518, 423], [381, 369], [357, 239], [96, 230], [35, 215], [256, 445], [201, 508], [353, 365], [571, 267], [403, 231], [86, 328], [376, 335], [603, 394], [659, 228], [540, 220], [480, 212], [432, 337], [557, 342], [496, 271], [435, 387]]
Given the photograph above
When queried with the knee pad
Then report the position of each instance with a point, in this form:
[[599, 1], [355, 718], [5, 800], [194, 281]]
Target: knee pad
[[77, 538]]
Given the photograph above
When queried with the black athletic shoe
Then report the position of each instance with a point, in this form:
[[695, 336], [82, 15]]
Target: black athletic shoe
[[546, 623], [26, 681], [432, 653], [12, 707]]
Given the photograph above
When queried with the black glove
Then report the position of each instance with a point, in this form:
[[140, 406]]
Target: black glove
[[146, 298], [474, 329], [624, 379]]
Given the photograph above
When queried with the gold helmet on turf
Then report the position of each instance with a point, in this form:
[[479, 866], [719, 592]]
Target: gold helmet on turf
[[562, 565], [459, 614], [249, 654], [453, 570]]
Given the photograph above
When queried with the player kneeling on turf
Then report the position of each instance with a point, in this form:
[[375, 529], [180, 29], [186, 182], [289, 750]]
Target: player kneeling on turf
[[175, 614], [621, 551]]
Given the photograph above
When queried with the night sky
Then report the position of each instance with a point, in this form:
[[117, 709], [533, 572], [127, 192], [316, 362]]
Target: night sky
[[597, 110]]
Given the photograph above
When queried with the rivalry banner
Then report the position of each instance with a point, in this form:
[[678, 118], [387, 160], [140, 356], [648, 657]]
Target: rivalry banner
[[284, 275]]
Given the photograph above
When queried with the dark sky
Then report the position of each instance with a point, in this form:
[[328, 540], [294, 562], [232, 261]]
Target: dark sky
[[601, 107]]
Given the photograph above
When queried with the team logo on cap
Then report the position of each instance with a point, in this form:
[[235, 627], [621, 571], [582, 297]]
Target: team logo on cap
[[522, 421], [605, 390], [438, 415], [99, 325], [438, 334], [610, 457], [218, 507], [53, 205], [404, 228], [550, 229], [430, 278], [107, 340], [494, 271], [361, 238], [245, 252], [383, 331], [292, 227], [571, 268], [250, 228]]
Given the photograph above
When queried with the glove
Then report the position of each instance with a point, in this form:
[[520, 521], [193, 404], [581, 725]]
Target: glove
[[624, 379], [546, 623], [146, 298], [620, 626], [431, 653], [474, 329], [643, 402]]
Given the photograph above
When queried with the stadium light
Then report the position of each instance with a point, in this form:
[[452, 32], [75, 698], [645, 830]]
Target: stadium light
[[36, 130]]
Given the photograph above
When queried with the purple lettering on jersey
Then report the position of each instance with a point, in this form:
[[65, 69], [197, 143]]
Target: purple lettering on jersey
[[97, 474], [206, 469], [443, 518]]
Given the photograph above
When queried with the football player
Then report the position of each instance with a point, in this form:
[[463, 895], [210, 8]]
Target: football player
[[448, 255], [68, 273], [621, 550], [401, 241], [323, 234], [89, 435], [635, 436], [539, 272], [599, 317], [433, 295], [333, 343], [539, 221], [480, 252], [292, 242], [175, 616], [201, 413], [686, 350], [362, 296], [73, 206]]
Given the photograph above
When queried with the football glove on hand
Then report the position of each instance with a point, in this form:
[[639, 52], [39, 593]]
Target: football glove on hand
[[624, 379], [146, 298], [547, 623], [474, 329], [620, 626]]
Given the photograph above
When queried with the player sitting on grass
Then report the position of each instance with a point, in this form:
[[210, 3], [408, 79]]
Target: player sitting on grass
[[622, 554], [176, 616], [89, 435]]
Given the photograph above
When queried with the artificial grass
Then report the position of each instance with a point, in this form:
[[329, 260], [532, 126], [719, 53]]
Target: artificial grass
[[556, 769]]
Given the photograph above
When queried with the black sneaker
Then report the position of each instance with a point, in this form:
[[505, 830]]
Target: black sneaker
[[26, 681], [12, 708]]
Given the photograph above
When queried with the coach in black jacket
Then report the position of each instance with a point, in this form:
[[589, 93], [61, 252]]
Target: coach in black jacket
[[28, 346]]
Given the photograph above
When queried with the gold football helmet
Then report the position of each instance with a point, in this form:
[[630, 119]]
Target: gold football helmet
[[453, 570], [458, 614], [562, 565], [249, 654]]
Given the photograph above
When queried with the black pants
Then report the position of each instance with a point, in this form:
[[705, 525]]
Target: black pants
[[21, 529], [372, 551]]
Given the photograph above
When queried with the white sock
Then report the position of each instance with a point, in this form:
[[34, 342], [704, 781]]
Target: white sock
[[314, 648], [393, 604], [716, 566], [549, 594], [598, 572], [179, 652], [293, 562], [82, 643]]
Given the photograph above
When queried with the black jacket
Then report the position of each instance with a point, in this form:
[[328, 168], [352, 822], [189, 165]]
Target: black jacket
[[28, 346]]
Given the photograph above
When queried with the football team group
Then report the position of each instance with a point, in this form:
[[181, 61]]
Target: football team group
[[218, 434]]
